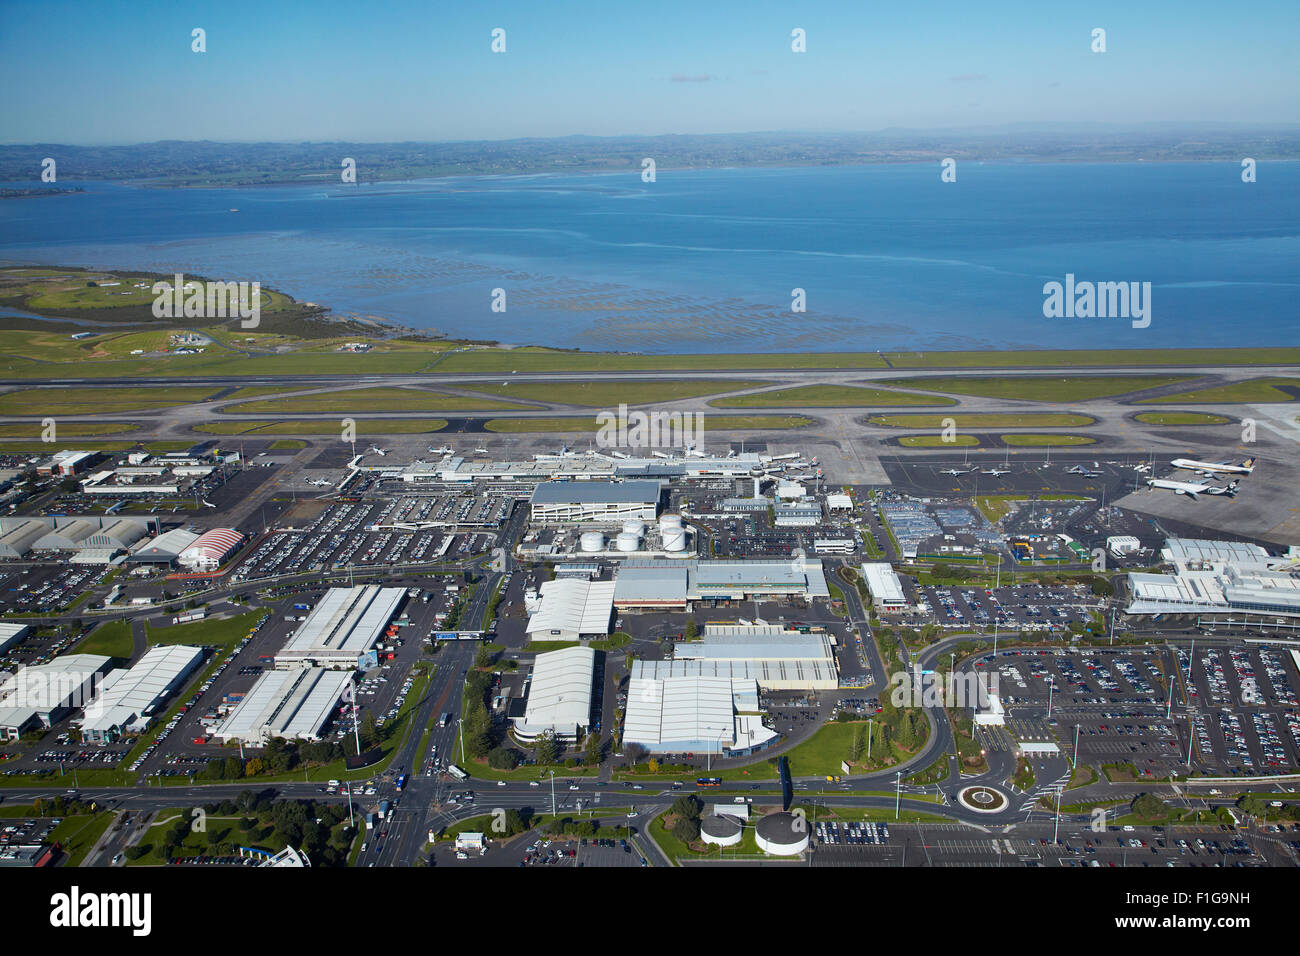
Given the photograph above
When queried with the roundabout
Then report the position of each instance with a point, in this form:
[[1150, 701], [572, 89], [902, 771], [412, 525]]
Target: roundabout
[[983, 799]]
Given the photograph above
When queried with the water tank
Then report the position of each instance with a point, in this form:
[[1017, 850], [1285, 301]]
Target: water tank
[[674, 539], [628, 541], [633, 527], [592, 541], [669, 521]]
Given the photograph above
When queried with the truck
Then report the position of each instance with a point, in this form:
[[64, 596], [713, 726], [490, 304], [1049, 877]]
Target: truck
[[456, 772]]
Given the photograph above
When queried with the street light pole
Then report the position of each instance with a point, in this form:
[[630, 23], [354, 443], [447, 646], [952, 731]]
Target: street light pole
[[1056, 828], [898, 792], [553, 813], [1076, 745]]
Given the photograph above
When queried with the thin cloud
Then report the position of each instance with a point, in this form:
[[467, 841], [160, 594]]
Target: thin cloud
[[691, 78]]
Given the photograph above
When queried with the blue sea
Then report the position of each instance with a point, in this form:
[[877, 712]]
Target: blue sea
[[887, 256]]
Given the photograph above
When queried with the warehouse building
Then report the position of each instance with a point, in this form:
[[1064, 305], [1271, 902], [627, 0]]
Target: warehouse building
[[12, 634], [67, 462], [694, 715], [667, 584], [582, 502], [42, 695], [776, 661], [164, 549], [1219, 579], [886, 590], [211, 549], [19, 536], [291, 704], [559, 695], [345, 624], [129, 699], [570, 609]]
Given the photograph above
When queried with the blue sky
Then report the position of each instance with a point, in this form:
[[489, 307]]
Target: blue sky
[[108, 72]]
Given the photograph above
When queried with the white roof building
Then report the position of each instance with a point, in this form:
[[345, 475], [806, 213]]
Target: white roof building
[[559, 695], [129, 698], [1217, 577], [46, 692], [572, 608], [690, 714], [886, 590], [11, 633], [344, 625], [839, 502], [290, 704]]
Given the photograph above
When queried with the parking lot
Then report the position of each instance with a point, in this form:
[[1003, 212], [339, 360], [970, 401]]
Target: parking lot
[[1024, 607]]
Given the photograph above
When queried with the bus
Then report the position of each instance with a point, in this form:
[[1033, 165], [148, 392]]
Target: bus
[[446, 719], [709, 782], [456, 772], [401, 782]]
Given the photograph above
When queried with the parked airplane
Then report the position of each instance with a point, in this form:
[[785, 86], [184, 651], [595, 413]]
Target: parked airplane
[[1080, 470], [1191, 489], [444, 450], [373, 449], [320, 483], [996, 471], [1209, 468], [957, 471]]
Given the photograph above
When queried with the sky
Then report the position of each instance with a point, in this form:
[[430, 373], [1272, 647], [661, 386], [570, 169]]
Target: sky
[[87, 73]]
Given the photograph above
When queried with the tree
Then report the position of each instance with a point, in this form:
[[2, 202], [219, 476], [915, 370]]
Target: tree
[[592, 749], [686, 829], [692, 630], [483, 659], [547, 749], [503, 758], [1149, 806], [369, 731], [857, 745]]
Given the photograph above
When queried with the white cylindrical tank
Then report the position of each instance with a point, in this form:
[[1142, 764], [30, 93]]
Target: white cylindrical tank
[[670, 521], [628, 541], [633, 527], [592, 541], [674, 539]]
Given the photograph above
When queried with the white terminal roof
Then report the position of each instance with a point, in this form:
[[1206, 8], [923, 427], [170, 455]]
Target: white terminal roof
[[559, 698], [1216, 577], [136, 692], [291, 703], [574, 605], [883, 583], [596, 492], [346, 623]]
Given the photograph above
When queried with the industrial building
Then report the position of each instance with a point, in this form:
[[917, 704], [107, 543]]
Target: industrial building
[[129, 699], [885, 588], [12, 634], [164, 549], [591, 466], [661, 584], [341, 628], [694, 714], [19, 536], [772, 657], [42, 695], [67, 462], [211, 549], [569, 609], [1220, 578], [559, 695], [585, 502], [291, 704]]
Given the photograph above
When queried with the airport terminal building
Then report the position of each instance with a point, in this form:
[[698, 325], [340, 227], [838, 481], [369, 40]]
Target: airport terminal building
[[1219, 579]]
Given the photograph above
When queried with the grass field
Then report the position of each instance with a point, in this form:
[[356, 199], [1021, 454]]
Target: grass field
[[1262, 390], [828, 396], [936, 441], [92, 401], [983, 420], [70, 430], [1180, 418], [40, 448], [711, 423], [1097, 358], [610, 394], [225, 633], [365, 426], [1039, 388], [288, 444], [111, 638], [1043, 441], [361, 400]]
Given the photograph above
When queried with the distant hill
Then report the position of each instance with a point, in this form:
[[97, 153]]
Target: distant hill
[[177, 163]]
